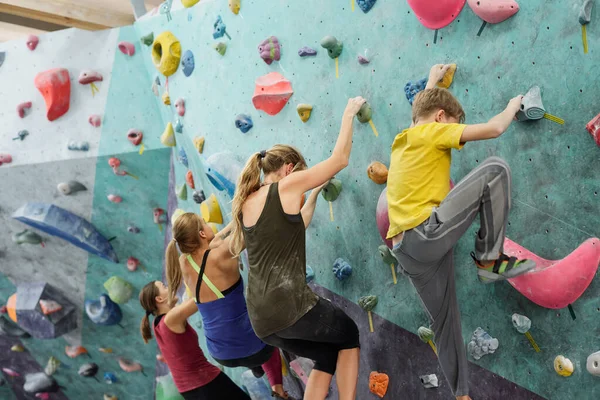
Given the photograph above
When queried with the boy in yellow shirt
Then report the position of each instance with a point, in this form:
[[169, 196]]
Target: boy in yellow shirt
[[427, 218]]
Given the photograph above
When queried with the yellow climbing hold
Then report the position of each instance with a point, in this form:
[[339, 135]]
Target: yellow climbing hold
[[189, 3], [17, 348], [199, 143], [168, 136], [234, 6], [166, 99], [448, 77], [563, 366], [304, 111], [211, 211], [166, 53]]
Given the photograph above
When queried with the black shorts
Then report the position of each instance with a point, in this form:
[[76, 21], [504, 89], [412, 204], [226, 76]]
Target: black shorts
[[255, 360], [319, 335], [220, 388]]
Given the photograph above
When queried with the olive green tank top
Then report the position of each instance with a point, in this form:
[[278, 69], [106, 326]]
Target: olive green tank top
[[278, 295]]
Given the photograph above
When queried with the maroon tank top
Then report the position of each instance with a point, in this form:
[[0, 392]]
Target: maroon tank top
[[183, 355]]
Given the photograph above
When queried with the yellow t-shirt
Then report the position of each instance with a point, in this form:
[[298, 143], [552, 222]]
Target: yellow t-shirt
[[419, 174]]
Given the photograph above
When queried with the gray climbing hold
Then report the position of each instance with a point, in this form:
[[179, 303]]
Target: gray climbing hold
[[521, 323], [481, 344], [88, 370], [78, 146], [532, 107], [199, 196], [21, 135], [133, 229], [593, 363], [70, 187], [39, 382], [429, 381], [307, 52], [585, 14]]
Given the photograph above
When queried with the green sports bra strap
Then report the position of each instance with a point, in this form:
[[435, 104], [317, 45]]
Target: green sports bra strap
[[200, 271]]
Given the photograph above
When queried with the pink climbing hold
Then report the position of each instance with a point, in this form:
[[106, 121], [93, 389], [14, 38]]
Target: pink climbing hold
[[556, 284], [32, 42], [22, 108], [593, 127], [272, 93], [436, 14], [88, 76], [157, 214], [135, 136], [114, 198], [55, 86], [95, 120], [127, 48], [132, 263], [115, 163], [180, 106], [5, 158], [494, 11]]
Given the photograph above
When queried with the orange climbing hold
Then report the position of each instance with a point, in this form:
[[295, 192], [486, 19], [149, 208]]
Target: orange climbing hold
[[189, 179], [11, 307], [75, 351], [378, 383], [55, 87]]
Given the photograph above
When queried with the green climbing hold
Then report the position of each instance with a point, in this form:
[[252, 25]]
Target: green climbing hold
[[332, 190], [425, 334], [148, 39], [334, 47], [220, 47], [181, 191], [119, 290], [365, 113], [386, 255], [368, 303]]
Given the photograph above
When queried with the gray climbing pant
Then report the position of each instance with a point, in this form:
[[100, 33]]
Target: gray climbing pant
[[425, 255]]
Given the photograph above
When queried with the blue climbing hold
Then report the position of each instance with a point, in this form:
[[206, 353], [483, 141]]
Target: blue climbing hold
[[243, 122], [341, 269], [103, 311], [178, 126], [366, 5], [183, 157], [310, 274], [223, 170], [220, 29], [411, 89], [188, 63], [110, 378]]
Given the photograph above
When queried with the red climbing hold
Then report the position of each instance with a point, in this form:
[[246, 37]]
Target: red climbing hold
[[95, 120], [593, 127], [272, 93], [21, 108], [88, 76], [494, 11], [127, 48], [32, 42], [5, 158], [436, 14], [556, 284], [55, 86], [135, 136], [189, 179]]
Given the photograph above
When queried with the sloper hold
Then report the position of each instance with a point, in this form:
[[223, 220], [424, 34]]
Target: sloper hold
[[119, 290], [366, 5], [166, 53], [494, 11], [270, 50], [304, 111], [377, 172], [378, 381], [55, 87], [365, 113], [127, 48], [436, 14], [334, 47], [271, 93], [332, 190], [448, 77], [585, 14]]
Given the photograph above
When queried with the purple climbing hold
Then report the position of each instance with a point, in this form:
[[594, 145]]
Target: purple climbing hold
[[363, 60], [411, 89], [270, 50], [366, 5], [307, 52]]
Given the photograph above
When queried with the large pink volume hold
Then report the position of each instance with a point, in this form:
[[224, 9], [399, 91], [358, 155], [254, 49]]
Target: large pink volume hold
[[55, 87], [494, 11], [436, 14], [271, 93], [556, 284]]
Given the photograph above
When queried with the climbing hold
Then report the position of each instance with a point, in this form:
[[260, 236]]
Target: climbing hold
[[211, 211], [556, 284], [55, 87], [133, 229], [411, 89], [435, 14], [103, 311], [389, 259], [425, 334], [341, 269], [334, 47], [377, 172], [32, 42], [585, 14], [332, 190], [166, 53], [10, 372], [2, 57], [155, 88], [106, 350], [17, 348], [189, 179], [532, 107], [130, 366], [88, 370], [119, 290], [21, 135], [310, 274], [481, 344], [27, 236], [135, 136], [148, 39], [593, 127], [243, 122], [307, 52], [378, 381], [189, 3], [219, 29], [127, 48], [366, 5], [109, 378], [108, 396], [39, 382], [166, 99], [188, 63], [114, 198], [51, 366], [271, 93], [368, 303], [220, 47], [78, 146], [132, 264], [181, 192], [95, 120], [494, 11], [563, 366], [199, 143], [234, 6], [178, 126], [182, 157], [157, 213], [5, 158], [521, 323], [429, 381], [593, 363], [75, 351], [180, 107], [362, 60], [365, 113], [223, 170], [199, 196], [270, 50], [22, 108], [448, 77], [168, 136], [49, 306], [304, 111], [88, 76]]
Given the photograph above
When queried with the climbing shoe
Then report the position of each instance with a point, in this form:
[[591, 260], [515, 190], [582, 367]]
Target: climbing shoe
[[504, 267]]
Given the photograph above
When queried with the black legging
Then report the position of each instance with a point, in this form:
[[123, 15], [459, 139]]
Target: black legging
[[220, 388]]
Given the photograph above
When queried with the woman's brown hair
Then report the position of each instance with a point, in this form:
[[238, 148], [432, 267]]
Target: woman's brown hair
[[148, 301]]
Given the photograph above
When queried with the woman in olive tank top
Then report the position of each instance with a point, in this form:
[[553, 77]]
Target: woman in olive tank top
[[269, 220]]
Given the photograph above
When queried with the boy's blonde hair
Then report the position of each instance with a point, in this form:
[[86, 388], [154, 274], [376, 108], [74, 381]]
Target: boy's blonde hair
[[431, 100]]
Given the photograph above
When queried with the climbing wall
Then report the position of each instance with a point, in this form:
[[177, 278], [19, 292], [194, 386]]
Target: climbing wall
[[555, 188]]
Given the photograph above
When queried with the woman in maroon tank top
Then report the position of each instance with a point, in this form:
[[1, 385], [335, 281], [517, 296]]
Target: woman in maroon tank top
[[194, 376]]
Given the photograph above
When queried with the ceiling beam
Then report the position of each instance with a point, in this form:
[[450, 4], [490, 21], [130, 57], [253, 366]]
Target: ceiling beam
[[12, 32]]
